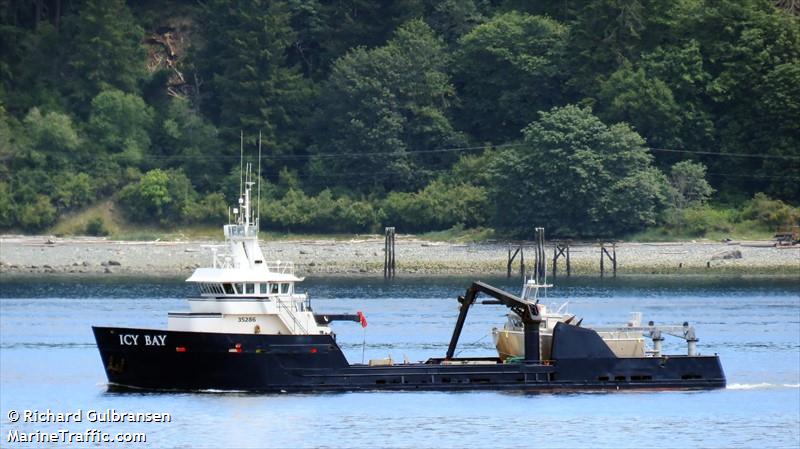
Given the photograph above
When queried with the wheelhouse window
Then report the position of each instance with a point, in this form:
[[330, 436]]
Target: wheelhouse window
[[229, 289], [239, 288], [250, 288], [273, 289], [263, 288], [284, 288]]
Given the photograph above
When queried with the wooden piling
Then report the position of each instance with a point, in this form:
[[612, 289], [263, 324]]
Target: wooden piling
[[389, 253], [569, 269], [602, 266], [519, 251], [561, 249], [541, 261], [612, 257]]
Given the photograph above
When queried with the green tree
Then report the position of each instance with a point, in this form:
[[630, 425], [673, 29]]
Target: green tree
[[212, 208], [119, 125], [387, 100], [252, 86], [8, 145], [778, 115], [605, 34], [440, 205], [646, 103], [105, 50], [52, 132], [682, 69], [72, 190], [33, 76], [689, 181], [507, 70], [747, 48], [576, 176], [452, 19], [51, 140], [149, 197], [328, 29], [36, 215], [770, 212], [183, 138], [164, 195], [8, 209]]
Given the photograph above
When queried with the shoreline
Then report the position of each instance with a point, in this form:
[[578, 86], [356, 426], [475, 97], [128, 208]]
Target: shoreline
[[23, 256]]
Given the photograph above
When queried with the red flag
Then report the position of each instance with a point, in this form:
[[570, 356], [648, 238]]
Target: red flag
[[362, 319]]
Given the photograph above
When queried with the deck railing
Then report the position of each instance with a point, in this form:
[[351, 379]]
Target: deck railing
[[295, 321], [280, 267]]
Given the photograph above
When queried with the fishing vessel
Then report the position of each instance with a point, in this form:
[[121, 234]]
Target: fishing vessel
[[624, 341], [249, 329]]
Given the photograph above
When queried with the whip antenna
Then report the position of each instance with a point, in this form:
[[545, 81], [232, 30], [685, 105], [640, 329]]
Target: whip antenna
[[258, 201], [241, 161]]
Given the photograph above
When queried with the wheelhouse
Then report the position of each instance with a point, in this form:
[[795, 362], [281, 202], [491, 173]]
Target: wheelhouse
[[258, 289]]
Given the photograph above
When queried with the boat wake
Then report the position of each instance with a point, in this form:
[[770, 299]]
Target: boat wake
[[760, 386]]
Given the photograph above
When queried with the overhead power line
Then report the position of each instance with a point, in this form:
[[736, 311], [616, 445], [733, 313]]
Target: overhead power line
[[325, 155], [713, 153]]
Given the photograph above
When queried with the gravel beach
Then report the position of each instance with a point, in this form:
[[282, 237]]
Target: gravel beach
[[34, 255]]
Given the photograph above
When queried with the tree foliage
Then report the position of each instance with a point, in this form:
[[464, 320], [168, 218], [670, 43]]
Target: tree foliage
[[576, 176], [689, 181], [184, 139], [104, 49], [508, 69], [252, 88], [50, 141], [120, 125], [163, 195], [382, 106], [593, 118]]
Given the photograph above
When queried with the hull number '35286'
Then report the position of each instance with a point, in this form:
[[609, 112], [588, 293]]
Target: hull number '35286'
[[148, 340], [247, 319]]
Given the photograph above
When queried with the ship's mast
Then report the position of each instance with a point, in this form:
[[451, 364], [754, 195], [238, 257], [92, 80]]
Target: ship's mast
[[258, 200], [248, 186]]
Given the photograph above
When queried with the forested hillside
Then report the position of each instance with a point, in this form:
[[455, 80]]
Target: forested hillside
[[592, 118]]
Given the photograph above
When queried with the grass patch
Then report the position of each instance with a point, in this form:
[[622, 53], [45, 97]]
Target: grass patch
[[737, 231], [77, 223], [757, 219], [457, 234], [114, 226], [284, 236], [85, 222]]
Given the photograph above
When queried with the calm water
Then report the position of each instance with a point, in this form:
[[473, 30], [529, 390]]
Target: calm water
[[48, 360]]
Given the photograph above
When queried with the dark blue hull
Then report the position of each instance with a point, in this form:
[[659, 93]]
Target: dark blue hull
[[166, 360]]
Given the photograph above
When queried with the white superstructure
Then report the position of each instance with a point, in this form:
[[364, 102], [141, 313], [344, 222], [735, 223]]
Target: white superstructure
[[242, 293], [509, 341]]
